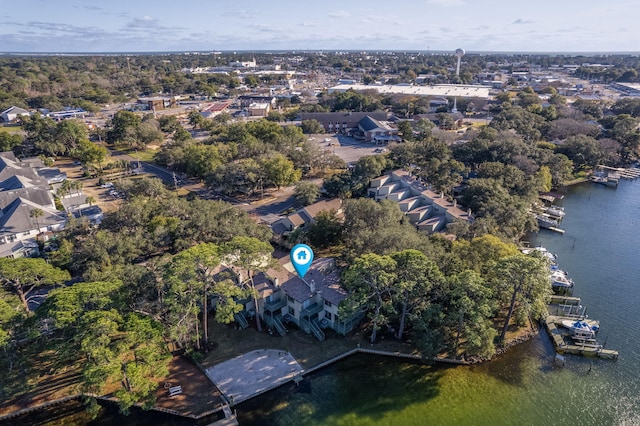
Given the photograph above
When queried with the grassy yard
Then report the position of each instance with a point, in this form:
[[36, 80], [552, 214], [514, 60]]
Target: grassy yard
[[11, 129], [308, 351]]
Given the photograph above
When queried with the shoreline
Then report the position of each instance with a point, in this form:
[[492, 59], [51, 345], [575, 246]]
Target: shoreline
[[465, 361]]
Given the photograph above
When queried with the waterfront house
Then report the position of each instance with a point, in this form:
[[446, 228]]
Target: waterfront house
[[311, 303]]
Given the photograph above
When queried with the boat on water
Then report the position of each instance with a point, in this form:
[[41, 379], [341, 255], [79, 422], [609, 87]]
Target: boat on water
[[555, 211], [581, 329], [546, 221], [546, 253], [560, 279]]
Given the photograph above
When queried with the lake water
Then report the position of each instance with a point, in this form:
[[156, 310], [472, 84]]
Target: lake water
[[599, 251]]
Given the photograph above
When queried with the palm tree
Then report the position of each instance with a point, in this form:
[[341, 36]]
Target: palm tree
[[35, 214], [90, 200]]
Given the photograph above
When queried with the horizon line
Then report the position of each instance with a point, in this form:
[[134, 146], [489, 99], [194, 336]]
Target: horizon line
[[235, 51]]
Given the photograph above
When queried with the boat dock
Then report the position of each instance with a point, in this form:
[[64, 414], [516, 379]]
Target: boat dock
[[564, 344], [632, 173]]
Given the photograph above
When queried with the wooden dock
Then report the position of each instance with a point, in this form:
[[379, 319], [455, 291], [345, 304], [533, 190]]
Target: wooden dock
[[564, 344], [631, 173]]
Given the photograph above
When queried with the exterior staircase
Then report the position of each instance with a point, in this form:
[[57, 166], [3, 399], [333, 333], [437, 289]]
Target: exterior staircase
[[241, 320], [280, 328], [316, 330]]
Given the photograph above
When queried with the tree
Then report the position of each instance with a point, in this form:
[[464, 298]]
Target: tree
[[370, 282], [306, 192], [197, 267], [246, 256], [9, 141], [406, 130], [526, 280], [35, 214], [89, 153], [23, 276], [124, 129], [471, 308], [325, 231], [90, 200], [279, 170], [117, 347], [311, 127], [417, 277]]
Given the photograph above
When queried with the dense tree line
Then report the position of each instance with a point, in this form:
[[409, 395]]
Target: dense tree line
[[146, 277]]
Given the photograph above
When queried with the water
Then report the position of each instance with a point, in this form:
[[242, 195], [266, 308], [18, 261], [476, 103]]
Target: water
[[599, 252]]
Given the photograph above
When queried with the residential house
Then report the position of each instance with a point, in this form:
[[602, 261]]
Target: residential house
[[304, 217], [311, 303], [425, 209], [23, 190]]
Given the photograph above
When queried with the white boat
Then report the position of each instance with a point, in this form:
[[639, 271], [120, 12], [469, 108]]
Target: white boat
[[580, 329], [560, 278], [546, 253], [555, 211], [546, 221]]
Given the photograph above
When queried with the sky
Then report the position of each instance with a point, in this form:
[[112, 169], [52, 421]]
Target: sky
[[228, 25]]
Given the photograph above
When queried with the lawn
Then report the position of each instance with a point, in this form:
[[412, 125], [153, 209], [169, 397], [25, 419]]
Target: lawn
[[230, 342], [11, 129]]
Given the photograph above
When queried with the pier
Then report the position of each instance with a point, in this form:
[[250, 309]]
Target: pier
[[630, 174], [564, 344]]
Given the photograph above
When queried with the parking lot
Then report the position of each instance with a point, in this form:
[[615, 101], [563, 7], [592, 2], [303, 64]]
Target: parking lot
[[345, 147]]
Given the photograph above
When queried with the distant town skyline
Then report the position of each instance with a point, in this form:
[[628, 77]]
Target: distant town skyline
[[438, 25]]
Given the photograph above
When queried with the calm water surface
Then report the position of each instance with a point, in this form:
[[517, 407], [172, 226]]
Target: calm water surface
[[600, 252]]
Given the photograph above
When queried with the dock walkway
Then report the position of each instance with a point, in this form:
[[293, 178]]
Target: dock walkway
[[564, 344]]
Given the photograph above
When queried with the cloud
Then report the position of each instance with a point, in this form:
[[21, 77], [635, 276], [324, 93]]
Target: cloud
[[339, 14], [446, 3], [308, 24], [522, 21], [241, 13], [38, 28], [147, 24], [87, 7]]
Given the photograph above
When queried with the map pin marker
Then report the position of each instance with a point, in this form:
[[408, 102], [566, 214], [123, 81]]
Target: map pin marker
[[301, 257]]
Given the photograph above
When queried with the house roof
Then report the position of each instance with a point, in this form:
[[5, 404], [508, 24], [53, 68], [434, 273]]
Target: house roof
[[88, 212], [341, 117], [296, 219], [15, 110], [312, 210], [15, 217], [367, 124], [11, 166], [38, 196], [17, 247], [52, 175], [15, 182], [323, 274]]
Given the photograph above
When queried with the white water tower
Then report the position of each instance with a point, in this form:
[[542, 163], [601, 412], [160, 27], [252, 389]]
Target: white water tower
[[459, 55]]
